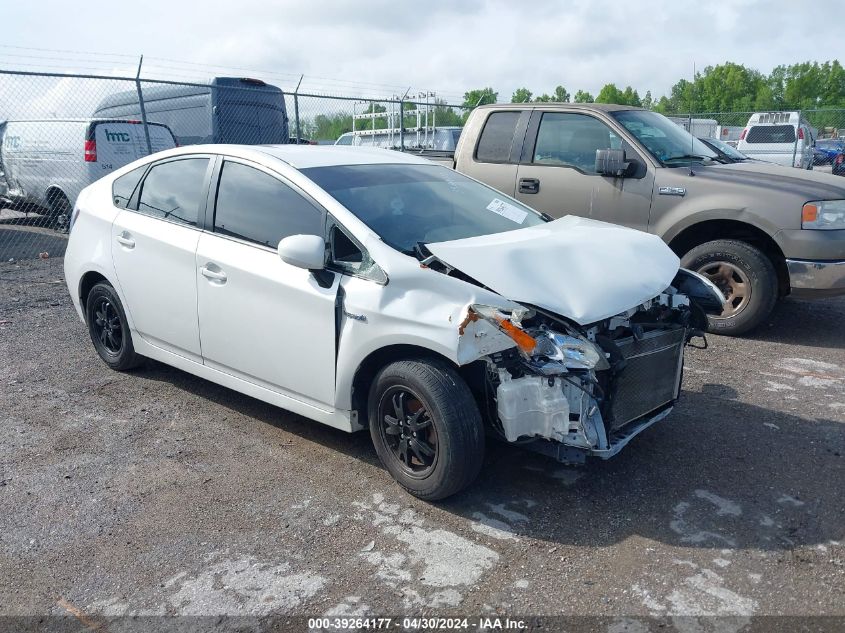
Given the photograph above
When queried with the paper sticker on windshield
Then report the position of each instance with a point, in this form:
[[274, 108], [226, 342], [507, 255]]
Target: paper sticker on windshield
[[505, 209]]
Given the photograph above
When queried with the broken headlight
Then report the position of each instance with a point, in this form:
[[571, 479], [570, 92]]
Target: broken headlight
[[509, 324], [570, 351], [546, 351]]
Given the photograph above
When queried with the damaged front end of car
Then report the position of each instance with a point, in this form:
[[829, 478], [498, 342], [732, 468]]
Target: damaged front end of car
[[572, 391]]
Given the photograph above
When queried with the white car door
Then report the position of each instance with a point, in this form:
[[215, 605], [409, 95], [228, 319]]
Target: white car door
[[261, 319], [154, 253]]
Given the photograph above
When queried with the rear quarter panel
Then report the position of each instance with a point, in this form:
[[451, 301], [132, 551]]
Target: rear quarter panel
[[89, 244]]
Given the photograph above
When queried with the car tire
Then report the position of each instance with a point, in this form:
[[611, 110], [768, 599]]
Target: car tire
[[109, 329], [745, 275], [426, 427]]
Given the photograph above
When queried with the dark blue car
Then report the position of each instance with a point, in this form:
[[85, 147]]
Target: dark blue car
[[826, 150]]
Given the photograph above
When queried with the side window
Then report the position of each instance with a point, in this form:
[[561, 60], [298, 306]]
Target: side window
[[572, 140], [174, 190], [122, 188], [255, 206], [494, 146], [345, 252], [350, 258]]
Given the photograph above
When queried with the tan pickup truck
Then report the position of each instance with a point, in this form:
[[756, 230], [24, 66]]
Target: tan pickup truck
[[758, 231]]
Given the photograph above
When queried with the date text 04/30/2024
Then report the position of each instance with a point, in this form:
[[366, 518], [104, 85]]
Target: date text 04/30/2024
[[416, 623]]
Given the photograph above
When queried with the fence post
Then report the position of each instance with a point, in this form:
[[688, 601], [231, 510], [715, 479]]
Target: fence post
[[143, 109], [402, 120], [296, 107], [795, 145]]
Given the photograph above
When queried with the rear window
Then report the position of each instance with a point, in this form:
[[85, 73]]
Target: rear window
[[771, 134], [174, 190], [123, 187], [494, 146]]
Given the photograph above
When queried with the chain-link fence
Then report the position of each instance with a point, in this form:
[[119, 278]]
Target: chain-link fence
[[60, 132]]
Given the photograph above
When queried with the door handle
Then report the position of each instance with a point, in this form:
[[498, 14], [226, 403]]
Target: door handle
[[214, 275], [529, 185], [124, 240]]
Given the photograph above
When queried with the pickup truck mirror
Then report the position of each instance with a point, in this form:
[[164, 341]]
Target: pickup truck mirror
[[611, 162]]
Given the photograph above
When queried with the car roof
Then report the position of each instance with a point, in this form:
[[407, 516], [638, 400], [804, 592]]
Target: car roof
[[305, 156], [551, 105]]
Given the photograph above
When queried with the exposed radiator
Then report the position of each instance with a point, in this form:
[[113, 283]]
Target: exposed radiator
[[651, 377]]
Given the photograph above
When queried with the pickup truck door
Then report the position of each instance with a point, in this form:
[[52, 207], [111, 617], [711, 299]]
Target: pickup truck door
[[556, 172], [494, 159]]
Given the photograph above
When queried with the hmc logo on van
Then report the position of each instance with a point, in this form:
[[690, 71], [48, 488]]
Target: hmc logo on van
[[117, 136]]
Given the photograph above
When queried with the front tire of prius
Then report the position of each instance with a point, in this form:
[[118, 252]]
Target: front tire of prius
[[745, 275], [426, 427], [109, 329]]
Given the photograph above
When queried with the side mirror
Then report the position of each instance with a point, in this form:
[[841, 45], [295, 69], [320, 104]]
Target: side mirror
[[611, 162], [304, 251]]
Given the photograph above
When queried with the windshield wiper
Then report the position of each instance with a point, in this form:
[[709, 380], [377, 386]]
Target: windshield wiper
[[688, 157]]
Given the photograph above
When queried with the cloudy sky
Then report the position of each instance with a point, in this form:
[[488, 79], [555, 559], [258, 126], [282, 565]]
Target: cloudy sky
[[380, 47]]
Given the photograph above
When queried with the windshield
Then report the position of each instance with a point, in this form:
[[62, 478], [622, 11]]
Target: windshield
[[407, 204], [669, 143], [728, 150]]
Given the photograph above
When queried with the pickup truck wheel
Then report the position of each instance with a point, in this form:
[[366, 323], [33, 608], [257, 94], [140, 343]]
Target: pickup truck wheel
[[745, 276], [426, 427]]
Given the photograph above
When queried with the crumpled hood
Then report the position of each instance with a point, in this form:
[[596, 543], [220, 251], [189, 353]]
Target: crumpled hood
[[579, 268]]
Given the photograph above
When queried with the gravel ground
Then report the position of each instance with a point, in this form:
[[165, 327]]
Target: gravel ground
[[155, 492]]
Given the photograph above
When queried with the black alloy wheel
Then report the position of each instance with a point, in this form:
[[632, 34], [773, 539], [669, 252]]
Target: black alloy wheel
[[407, 431], [426, 427], [107, 325], [109, 329]]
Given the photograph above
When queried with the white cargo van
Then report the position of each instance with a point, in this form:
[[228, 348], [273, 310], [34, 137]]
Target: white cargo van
[[784, 138], [48, 162]]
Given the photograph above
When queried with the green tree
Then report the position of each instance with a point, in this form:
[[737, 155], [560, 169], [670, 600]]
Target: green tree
[[609, 94], [444, 115], [648, 101], [482, 96], [560, 95], [726, 87], [521, 95], [631, 97], [327, 126], [543, 98], [582, 96], [679, 100]]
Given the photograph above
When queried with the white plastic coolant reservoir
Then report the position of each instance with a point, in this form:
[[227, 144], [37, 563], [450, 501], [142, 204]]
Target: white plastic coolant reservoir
[[528, 406]]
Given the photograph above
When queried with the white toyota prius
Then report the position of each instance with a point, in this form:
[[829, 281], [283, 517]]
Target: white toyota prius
[[365, 288]]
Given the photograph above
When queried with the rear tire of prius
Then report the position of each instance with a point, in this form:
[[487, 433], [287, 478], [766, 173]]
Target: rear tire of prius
[[109, 329], [426, 427], [745, 275]]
